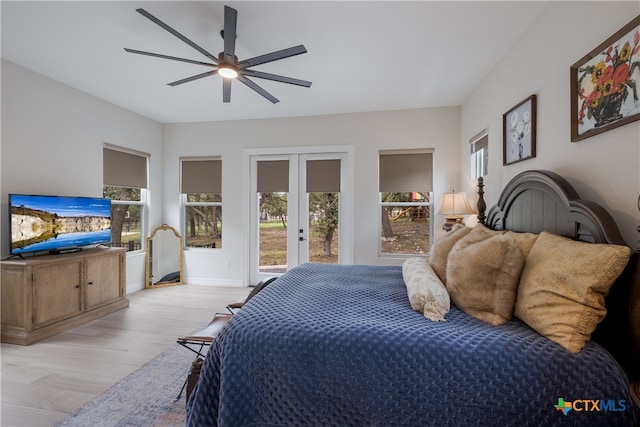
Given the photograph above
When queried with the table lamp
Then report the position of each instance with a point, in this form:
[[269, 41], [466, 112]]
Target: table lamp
[[453, 206]]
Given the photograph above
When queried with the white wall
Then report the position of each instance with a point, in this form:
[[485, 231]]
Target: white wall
[[604, 168], [365, 132], [52, 138]]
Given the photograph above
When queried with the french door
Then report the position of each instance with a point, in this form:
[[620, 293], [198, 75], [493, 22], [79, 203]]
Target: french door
[[299, 203]]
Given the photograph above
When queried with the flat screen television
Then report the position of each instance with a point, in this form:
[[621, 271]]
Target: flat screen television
[[58, 223]]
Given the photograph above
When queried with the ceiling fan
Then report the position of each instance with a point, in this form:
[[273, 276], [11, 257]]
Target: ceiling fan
[[227, 64]]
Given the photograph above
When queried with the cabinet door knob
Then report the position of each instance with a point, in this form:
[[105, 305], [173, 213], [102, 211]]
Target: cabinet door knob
[[91, 283], [77, 286]]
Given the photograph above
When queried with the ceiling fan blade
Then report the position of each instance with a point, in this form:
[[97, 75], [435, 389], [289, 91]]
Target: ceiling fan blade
[[226, 90], [276, 78], [192, 78], [230, 23], [177, 34], [174, 58], [273, 56], [257, 88]]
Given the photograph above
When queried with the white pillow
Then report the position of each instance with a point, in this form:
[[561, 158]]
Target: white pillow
[[426, 292]]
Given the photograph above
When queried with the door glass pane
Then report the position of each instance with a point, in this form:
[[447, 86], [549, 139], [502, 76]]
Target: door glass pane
[[272, 236], [324, 211]]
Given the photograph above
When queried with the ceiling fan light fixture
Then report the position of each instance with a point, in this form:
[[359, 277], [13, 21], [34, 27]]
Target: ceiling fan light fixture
[[227, 71], [226, 65]]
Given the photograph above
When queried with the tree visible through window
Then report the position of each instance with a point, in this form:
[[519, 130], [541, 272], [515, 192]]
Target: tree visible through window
[[126, 216], [405, 183], [203, 220], [406, 219], [125, 183], [324, 209], [201, 188]]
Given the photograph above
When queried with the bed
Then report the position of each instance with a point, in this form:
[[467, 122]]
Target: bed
[[341, 345]]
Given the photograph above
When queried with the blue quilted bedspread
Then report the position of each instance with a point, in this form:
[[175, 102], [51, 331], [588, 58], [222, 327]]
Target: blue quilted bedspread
[[332, 345]]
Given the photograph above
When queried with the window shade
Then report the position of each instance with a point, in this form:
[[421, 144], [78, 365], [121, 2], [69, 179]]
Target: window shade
[[122, 169], [201, 176], [323, 176], [402, 173], [273, 176], [480, 144]]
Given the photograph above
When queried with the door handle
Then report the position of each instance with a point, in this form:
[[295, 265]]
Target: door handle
[[301, 239]]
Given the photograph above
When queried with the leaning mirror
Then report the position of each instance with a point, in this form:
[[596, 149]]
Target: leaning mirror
[[164, 258]]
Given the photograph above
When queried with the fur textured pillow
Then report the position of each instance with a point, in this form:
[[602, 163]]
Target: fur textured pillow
[[525, 241], [563, 285], [441, 248], [426, 292], [483, 272]]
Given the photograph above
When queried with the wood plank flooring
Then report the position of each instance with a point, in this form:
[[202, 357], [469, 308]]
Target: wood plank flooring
[[43, 382]]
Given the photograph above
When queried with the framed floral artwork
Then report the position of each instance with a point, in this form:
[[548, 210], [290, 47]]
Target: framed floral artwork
[[519, 132], [605, 84]]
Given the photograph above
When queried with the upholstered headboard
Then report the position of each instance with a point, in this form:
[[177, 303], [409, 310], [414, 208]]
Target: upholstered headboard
[[538, 200]]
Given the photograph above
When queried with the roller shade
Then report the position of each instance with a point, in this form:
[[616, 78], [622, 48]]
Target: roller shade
[[323, 176], [403, 173], [480, 144], [201, 176], [123, 169], [273, 176]]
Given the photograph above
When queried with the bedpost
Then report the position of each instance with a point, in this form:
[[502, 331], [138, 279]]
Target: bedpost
[[482, 206]]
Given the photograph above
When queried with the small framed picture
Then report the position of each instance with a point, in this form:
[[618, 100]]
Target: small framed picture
[[519, 132], [604, 84]]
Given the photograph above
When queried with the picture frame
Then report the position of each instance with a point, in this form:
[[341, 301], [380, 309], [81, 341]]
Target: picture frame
[[519, 132], [605, 84]]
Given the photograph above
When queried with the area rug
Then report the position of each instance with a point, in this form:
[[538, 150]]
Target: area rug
[[143, 398]]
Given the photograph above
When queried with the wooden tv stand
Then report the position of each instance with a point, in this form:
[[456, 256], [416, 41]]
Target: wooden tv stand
[[45, 295]]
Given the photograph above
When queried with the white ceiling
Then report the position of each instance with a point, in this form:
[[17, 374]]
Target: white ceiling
[[362, 55]]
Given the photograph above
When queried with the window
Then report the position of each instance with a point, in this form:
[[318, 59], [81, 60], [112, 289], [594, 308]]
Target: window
[[479, 154], [125, 183], [201, 188], [405, 185]]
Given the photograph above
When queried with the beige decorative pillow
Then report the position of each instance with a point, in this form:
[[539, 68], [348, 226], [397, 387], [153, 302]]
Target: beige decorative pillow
[[441, 248], [483, 272], [563, 285], [426, 292]]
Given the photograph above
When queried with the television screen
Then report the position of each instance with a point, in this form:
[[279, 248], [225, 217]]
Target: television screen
[[50, 223]]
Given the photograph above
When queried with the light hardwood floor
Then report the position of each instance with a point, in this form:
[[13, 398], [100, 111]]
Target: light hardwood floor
[[47, 380]]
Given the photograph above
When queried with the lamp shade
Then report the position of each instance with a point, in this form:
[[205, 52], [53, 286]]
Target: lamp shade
[[455, 204]]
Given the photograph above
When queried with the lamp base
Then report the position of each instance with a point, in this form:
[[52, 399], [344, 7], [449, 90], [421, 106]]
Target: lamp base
[[450, 221]]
